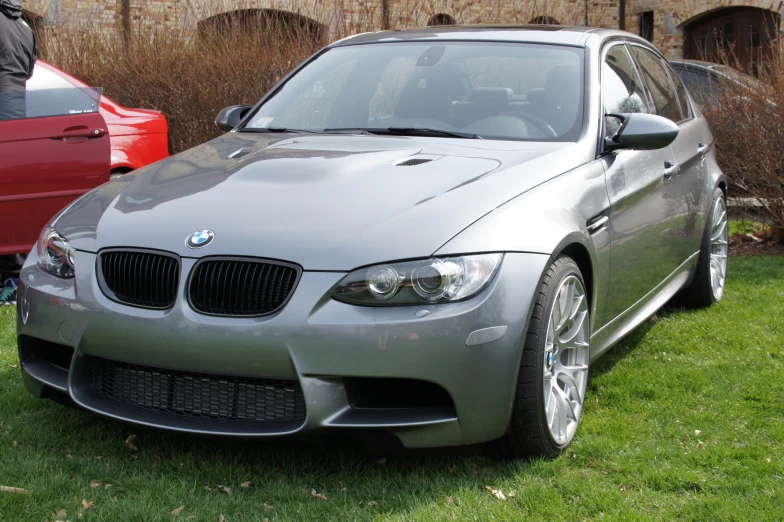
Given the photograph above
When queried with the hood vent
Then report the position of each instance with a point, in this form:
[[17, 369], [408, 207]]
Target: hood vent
[[240, 153], [413, 161]]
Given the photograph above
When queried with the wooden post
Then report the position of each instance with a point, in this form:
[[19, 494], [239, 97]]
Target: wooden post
[[125, 12], [385, 14]]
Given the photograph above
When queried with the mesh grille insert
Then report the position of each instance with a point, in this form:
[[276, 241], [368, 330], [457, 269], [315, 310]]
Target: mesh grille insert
[[238, 287], [199, 395], [138, 278]]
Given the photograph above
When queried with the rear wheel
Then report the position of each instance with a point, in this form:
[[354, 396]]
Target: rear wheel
[[711, 274], [553, 374]]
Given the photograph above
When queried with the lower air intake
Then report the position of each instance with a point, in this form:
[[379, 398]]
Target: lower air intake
[[226, 399]]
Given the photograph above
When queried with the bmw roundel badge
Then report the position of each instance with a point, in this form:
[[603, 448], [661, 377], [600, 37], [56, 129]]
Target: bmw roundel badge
[[200, 238]]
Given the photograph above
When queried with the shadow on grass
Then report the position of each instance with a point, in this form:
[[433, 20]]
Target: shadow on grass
[[630, 343]]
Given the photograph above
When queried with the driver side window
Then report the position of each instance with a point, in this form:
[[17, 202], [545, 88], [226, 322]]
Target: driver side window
[[621, 88]]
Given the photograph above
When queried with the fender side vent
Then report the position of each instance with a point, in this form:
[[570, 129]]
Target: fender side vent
[[597, 224]]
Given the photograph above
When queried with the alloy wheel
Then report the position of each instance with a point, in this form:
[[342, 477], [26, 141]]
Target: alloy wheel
[[566, 357], [718, 248]]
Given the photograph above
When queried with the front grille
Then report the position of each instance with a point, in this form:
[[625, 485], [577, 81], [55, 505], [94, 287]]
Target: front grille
[[200, 396], [241, 287], [140, 278]]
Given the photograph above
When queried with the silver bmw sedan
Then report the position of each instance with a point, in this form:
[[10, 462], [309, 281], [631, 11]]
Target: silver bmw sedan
[[431, 233]]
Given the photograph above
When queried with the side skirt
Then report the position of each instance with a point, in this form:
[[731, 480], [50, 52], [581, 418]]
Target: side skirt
[[619, 327]]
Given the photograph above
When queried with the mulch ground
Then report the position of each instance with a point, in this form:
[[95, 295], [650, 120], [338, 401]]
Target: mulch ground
[[745, 246]]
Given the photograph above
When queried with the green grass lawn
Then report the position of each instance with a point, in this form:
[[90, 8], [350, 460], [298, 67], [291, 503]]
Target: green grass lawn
[[684, 420]]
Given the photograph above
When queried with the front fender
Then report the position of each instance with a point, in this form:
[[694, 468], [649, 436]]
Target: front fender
[[549, 219]]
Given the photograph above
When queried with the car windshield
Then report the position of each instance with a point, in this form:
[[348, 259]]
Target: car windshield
[[504, 91]]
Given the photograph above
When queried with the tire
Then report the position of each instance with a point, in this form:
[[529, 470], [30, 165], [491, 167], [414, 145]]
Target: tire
[[707, 287], [531, 433]]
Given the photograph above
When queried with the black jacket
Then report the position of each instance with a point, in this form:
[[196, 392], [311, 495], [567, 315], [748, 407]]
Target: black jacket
[[17, 48]]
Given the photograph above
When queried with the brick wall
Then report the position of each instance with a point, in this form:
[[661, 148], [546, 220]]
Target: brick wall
[[340, 17]]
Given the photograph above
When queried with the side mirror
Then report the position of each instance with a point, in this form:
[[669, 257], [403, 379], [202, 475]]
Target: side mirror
[[230, 117], [641, 131]]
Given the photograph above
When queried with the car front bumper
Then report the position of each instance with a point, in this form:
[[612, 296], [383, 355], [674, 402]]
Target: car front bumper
[[314, 341]]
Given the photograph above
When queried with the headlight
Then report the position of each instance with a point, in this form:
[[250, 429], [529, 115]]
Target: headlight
[[419, 282], [55, 253]]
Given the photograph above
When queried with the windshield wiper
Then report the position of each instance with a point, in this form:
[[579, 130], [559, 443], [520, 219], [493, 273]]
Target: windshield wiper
[[276, 129], [403, 131], [426, 131]]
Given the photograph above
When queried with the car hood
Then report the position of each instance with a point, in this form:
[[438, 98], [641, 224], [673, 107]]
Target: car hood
[[326, 202]]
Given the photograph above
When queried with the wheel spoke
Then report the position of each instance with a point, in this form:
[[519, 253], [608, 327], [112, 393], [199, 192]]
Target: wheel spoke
[[574, 368], [563, 306], [718, 232], [577, 301], [551, 408], [569, 336], [719, 217], [563, 404], [569, 382]]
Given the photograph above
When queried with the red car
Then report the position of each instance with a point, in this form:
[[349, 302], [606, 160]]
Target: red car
[[70, 142], [138, 136]]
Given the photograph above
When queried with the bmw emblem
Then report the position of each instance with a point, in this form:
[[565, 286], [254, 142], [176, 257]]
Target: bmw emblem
[[200, 238]]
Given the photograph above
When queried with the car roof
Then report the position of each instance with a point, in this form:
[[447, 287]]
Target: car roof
[[696, 64], [547, 34]]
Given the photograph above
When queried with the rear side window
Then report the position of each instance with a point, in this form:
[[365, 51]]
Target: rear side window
[[50, 95], [622, 89], [659, 84], [699, 85], [680, 92]]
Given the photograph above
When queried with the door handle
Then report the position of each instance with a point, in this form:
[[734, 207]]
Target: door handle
[[79, 132], [670, 169], [702, 148]]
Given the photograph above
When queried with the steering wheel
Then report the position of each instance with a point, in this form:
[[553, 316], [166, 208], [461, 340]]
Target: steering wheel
[[538, 122]]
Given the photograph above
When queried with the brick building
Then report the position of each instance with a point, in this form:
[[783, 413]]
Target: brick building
[[680, 28]]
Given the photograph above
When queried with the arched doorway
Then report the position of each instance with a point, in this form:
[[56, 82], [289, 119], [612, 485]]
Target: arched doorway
[[441, 19], [742, 36], [259, 21], [544, 20]]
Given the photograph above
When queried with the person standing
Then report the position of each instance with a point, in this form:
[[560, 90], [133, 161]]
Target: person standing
[[17, 57]]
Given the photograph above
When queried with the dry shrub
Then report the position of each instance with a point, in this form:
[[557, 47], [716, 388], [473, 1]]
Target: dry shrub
[[188, 78], [748, 124]]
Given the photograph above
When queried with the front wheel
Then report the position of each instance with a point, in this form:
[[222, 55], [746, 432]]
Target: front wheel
[[553, 374]]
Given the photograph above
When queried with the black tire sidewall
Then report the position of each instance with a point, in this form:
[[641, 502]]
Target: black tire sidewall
[[564, 267]]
